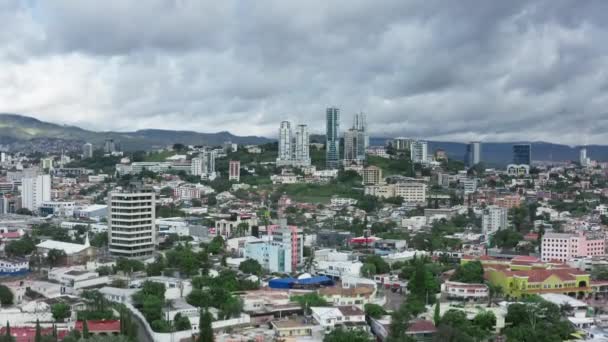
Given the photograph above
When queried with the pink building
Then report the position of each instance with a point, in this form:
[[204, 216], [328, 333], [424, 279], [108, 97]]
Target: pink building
[[563, 247], [234, 170]]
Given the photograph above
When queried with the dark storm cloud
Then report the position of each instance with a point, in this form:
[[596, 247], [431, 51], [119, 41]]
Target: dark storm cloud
[[492, 70]]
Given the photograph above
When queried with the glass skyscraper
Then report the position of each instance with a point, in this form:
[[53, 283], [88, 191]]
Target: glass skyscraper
[[332, 145], [522, 154]]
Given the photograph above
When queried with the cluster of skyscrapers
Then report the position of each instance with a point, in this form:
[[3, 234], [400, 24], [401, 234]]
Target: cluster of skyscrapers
[[356, 139], [293, 145], [204, 165]]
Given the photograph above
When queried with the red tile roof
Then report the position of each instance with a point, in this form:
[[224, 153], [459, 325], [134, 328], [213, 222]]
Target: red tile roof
[[28, 334], [421, 326], [99, 326]]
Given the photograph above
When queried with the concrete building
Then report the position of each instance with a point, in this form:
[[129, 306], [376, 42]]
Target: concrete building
[[372, 175], [494, 218], [361, 125], [469, 185], [131, 222], [283, 253], [34, 191], [87, 151], [109, 146], [464, 291], [234, 170], [354, 147], [285, 150], [294, 147], [564, 246], [411, 192], [473, 156], [332, 146], [419, 151], [302, 146], [402, 144], [582, 155], [62, 209]]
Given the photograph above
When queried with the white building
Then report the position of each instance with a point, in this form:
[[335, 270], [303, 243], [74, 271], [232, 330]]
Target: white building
[[464, 291], [131, 222], [63, 209], [87, 151], [293, 146], [419, 151], [34, 191], [411, 192], [285, 150], [469, 185], [494, 218], [302, 146]]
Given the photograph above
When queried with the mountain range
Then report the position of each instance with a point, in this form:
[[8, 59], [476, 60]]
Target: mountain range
[[16, 128], [16, 131]]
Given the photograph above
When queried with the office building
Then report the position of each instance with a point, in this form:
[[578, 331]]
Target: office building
[[87, 151], [354, 147], [283, 253], [234, 170], [522, 154], [583, 159], [35, 190], [566, 246], [132, 228], [419, 151], [494, 218], [473, 156], [332, 145], [285, 150], [469, 185], [360, 124], [302, 146], [372, 175], [411, 192]]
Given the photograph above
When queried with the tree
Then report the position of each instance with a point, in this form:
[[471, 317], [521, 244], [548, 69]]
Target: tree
[[341, 335], [399, 324], [21, 247], [55, 256], [85, 329], [437, 314], [485, 321], [368, 270], [495, 291], [381, 265], [60, 311], [6, 296], [152, 308], [251, 266], [374, 310], [181, 322], [166, 191], [308, 300], [217, 245], [205, 330], [470, 272], [38, 336], [8, 337]]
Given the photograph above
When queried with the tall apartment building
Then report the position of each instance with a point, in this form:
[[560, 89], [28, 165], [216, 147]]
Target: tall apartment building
[[302, 146], [294, 147], [372, 175], [35, 190], [360, 124], [332, 145], [132, 230], [87, 151], [204, 165], [402, 144], [522, 154], [564, 246], [473, 156], [285, 150], [354, 146], [109, 146], [494, 218], [419, 151], [234, 170]]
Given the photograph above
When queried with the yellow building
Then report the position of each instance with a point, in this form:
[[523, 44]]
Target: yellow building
[[527, 276]]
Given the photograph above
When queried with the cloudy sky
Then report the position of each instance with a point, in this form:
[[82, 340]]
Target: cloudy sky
[[450, 70]]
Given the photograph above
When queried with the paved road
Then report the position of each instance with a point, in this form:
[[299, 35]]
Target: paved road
[[142, 333], [393, 300]]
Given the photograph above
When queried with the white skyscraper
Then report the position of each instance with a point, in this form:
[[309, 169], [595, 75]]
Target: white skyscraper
[[293, 146], [87, 151], [354, 146], [285, 149], [302, 153], [418, 152], [35, 190], [132, 228], [361, 125], [582, 155]]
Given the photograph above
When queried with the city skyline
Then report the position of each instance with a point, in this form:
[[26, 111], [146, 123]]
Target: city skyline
[[509, 87]]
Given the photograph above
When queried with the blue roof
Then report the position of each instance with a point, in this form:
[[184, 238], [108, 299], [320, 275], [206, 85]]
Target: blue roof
[[313, 280]]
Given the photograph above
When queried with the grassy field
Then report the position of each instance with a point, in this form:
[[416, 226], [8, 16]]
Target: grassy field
[[392, 166]]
